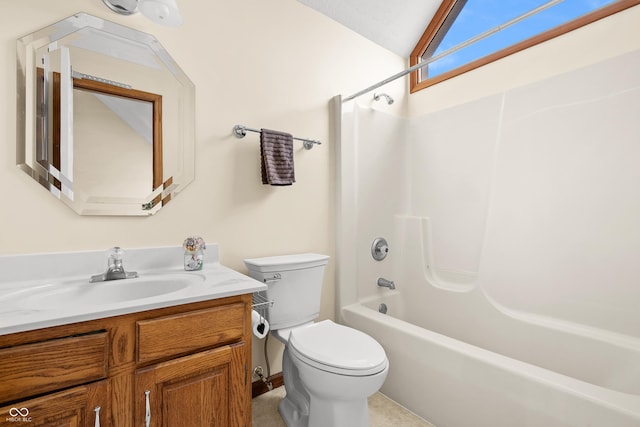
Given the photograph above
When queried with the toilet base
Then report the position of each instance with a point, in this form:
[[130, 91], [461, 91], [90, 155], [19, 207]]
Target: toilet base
[[339, 414], [291, 415], [299, 408], [294, 408], [326, 414]]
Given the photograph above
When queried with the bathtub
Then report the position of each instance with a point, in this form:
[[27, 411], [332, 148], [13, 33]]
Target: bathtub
[[459, 358], [452, 383]]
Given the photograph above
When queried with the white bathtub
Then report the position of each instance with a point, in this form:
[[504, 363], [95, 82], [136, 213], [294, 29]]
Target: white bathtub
[[455, 384]]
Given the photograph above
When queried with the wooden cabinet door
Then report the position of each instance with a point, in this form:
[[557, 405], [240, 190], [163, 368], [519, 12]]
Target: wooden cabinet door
[[206, 389], [74, 407]]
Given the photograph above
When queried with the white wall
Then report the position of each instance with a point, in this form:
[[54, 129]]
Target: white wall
[[383, 188], [272, 64], [562, 234], [535, 190]]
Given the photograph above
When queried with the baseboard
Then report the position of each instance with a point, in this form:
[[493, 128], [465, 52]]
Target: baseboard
[[259, 387]]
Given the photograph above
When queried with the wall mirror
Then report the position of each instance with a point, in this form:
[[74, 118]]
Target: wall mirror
[[105, 117]]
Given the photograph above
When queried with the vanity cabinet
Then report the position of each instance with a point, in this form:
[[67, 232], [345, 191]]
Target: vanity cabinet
[[186, 365], [75, 407]]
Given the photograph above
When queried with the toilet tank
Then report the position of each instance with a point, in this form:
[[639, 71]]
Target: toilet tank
[[294, 284]]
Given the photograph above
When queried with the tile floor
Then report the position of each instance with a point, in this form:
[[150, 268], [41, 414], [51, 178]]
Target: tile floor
[[383, 412]]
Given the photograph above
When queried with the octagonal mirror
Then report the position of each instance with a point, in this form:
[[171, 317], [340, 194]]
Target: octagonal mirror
[[105, 117]]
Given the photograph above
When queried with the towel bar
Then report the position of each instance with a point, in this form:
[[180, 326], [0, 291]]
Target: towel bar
[[240, 131]]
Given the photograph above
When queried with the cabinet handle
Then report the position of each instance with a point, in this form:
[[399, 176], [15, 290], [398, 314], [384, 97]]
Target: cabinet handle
[[147, 415], [97, 411]]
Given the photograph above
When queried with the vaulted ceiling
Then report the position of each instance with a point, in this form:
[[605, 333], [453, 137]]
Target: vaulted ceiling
[[396, 25]]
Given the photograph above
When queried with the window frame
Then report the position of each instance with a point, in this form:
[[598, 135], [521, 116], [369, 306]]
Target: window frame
[[453, 7]]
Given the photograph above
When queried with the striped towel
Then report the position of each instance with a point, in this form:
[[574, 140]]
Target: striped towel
[[276, 153]]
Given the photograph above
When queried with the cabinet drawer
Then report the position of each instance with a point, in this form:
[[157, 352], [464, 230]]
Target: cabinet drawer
[[67, 408], [183, 333], [31, 369]]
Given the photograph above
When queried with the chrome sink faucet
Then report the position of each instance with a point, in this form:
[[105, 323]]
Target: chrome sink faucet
[[115, 270], [384, 283]]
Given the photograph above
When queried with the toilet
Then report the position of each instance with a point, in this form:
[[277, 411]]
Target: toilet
[[329, 369]]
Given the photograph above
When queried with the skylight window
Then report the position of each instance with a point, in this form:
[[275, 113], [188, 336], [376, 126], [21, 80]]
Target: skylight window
[[466, 34]]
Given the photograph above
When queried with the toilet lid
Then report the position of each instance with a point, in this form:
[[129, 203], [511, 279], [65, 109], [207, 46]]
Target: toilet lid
[[338, 348]]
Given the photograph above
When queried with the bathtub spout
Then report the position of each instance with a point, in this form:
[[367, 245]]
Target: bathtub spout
[[384, 283]]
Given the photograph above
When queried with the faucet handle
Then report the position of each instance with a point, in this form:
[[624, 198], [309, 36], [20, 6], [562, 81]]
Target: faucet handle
[[379, 249], [115, 270], [115, 257]]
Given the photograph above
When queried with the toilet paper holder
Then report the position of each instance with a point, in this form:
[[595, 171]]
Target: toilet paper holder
[[261, 303], [259, 323]]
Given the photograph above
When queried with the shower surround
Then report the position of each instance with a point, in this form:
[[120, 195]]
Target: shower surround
[[513, 231]]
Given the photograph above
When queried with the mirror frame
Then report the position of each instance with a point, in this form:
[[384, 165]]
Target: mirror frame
[[28, 125]]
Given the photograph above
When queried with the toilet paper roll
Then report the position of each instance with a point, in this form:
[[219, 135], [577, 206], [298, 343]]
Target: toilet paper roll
[[259, 325]]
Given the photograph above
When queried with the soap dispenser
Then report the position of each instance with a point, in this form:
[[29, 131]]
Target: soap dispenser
[[194, 247]]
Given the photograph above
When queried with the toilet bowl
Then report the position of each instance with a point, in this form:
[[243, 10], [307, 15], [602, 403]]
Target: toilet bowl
[[339, 368], [329, 369]]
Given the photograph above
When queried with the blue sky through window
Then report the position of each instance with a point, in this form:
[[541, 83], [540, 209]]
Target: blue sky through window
[[478, 16]]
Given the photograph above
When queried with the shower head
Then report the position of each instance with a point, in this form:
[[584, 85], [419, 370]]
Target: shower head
[[377, 96]]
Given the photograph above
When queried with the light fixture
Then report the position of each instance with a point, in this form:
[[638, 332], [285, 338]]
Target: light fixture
[[163, 12]]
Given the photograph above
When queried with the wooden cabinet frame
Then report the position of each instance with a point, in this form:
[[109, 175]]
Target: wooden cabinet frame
[[208, 373]]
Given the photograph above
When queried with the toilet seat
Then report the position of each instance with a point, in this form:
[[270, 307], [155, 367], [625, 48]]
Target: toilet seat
[[338, 349]]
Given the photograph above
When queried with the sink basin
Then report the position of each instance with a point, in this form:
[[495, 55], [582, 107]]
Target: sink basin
[[109, 292]]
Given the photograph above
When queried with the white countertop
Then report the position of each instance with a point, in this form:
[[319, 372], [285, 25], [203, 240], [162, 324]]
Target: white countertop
[[23, 276]]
